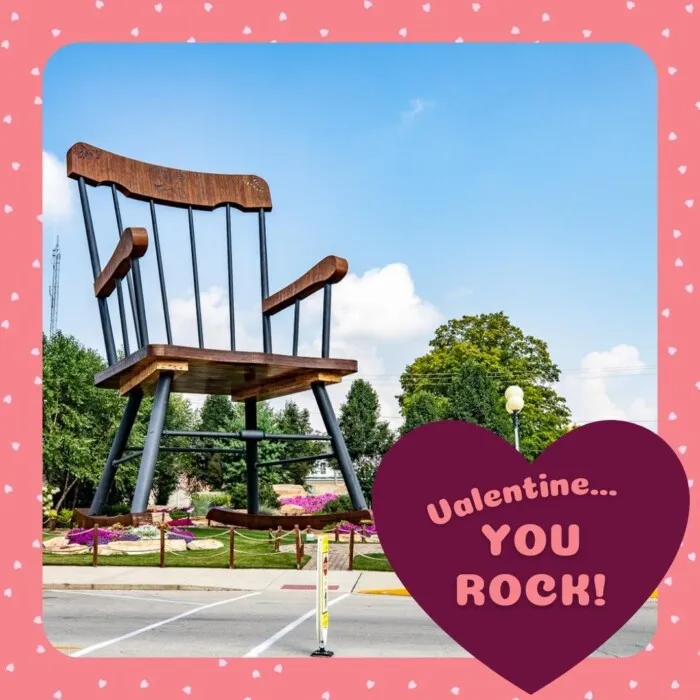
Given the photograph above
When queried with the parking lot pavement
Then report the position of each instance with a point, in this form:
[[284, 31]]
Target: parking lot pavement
[[262, 624]]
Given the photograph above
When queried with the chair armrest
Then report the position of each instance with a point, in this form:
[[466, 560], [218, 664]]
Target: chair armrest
[[132, 245], [330, 270]]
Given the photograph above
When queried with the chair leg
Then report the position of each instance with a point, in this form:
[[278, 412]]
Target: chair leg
[[251, 458], [118, 445], [151, 447], [339, 447]]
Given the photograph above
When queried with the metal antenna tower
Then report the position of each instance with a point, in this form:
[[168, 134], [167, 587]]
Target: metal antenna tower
[[53, 290]]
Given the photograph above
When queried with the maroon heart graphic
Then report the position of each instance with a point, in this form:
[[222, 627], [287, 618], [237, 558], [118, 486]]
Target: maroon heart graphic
[[531, 567]]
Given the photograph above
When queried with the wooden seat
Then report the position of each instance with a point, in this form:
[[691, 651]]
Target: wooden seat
[[158, 367], [241, 375]]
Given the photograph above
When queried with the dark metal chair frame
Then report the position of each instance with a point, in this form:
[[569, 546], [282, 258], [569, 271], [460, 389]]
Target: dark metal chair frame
[[166, 368]]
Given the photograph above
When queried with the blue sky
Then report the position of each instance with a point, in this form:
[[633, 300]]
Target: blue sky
[[456, 179]]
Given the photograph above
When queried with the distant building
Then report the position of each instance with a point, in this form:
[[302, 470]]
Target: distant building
[[322, 471]]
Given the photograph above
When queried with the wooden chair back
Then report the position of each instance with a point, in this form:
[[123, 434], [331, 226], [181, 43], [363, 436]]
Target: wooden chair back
[[161, 187]]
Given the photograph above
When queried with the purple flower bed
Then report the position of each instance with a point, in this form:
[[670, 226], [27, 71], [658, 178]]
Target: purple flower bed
[[345, 528], [128, 537], [310, 504], [86, 537], [181, 522], [177, 534]]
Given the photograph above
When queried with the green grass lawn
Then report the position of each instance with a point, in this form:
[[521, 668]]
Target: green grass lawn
[[376, 561], [254, 550]]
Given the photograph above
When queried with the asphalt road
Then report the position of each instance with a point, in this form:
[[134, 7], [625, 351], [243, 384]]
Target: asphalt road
[[268, 624]]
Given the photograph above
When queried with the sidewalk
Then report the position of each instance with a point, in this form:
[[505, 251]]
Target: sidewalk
[[154, 578]]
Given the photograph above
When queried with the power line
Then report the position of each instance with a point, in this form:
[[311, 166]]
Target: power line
[[646, 370]]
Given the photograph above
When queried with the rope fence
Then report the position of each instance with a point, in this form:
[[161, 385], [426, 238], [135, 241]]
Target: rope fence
[[274, 539]]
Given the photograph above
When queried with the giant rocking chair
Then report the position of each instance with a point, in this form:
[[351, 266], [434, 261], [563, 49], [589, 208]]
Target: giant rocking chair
[[164, 368]]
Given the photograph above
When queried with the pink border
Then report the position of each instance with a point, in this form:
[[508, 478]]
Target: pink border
[[31, 31]]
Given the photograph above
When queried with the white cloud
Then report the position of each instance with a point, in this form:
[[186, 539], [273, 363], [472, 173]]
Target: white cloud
[[382, 305], [602, 389], [59, 198], [215, 322], [374, 316], [215, 326], [416, 107]]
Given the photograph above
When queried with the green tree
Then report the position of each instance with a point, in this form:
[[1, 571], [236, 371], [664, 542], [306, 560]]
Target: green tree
[[489, 345], [423, 406], [365, 434], [475, 396], [207, 468], [234, 469], [79, 420], [172, 465], [366, 470], [293, 420]]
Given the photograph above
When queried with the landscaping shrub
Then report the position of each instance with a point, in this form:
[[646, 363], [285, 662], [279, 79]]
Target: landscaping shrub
[[220, 500], [268, 497], [202, 502], [147, 532], [338, 505], [239, 496], [64, 518]]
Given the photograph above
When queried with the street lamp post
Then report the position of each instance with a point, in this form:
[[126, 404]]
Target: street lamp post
[[514, 404]]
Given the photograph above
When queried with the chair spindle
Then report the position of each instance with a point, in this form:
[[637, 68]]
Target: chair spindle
[[295, 338], [96, 270], [197, 301], [140, 305], [129, 282], [161, 276], [229, 253], [264, 281], [326, 338]]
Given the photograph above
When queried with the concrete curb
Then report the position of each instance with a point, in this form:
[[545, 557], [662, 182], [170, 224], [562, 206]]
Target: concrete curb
[[132, 587]]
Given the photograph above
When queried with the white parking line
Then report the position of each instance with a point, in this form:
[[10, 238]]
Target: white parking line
[[125, 597], [261, 648], [109, 642]]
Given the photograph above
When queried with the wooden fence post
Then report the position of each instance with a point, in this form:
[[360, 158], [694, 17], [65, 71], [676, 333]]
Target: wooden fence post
[[278, 539], [337, 534], [231, 547], [351, 548], [162, 546], [95, 544], [297, 539]]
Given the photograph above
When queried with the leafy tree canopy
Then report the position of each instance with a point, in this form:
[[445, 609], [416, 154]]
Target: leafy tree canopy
[[366, 435], [80, 422], [471, 362]]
